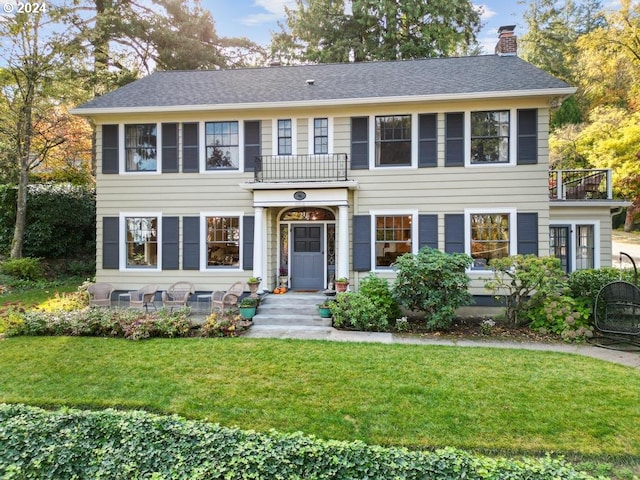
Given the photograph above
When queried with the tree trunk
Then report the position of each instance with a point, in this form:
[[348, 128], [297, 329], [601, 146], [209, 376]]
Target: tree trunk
[[21, 214], [629, 218]]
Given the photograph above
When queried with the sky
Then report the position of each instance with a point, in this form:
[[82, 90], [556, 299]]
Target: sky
[[256, 19]]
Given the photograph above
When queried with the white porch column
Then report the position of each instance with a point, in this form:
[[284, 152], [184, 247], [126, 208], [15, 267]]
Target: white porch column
[[343, 242], [258, 243]]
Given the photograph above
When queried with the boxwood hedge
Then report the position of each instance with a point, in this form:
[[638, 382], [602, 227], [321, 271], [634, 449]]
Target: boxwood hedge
[[110, 444]]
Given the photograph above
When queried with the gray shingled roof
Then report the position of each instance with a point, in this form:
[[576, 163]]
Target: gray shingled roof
[[428, 77]]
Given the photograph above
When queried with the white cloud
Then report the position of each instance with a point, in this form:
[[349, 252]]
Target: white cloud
[[487, 13], [274, 11]]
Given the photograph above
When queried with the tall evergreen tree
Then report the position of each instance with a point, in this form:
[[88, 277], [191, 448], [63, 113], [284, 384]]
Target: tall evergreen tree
[[360, 30]]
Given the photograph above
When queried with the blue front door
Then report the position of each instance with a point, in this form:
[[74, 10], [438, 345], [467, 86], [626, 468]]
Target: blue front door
[[307, 259]]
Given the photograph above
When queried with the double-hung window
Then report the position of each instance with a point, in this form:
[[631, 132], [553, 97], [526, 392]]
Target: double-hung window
[[490, 237], [223, 241], [320, 136], [393, 140], [141, 241], [222, 145], [140, 145], [393, 237], [490, 137], [285, 137]]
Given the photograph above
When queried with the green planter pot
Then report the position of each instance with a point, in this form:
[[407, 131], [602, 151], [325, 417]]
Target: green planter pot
[[247, 312], [325, 312]]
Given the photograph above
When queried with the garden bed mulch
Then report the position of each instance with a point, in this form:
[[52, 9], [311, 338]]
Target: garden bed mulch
[[470, 328]]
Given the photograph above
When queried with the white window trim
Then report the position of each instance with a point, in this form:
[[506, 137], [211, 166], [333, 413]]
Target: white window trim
[[414, 233], [202, 145], [203, 241], [513, 139], [122, 156], [414, 142], [122, 241], [573, 224], [311, 135], [513, 232], [294, 135]]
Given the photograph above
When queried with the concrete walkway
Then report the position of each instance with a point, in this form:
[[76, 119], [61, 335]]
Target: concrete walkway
[[629, 359]]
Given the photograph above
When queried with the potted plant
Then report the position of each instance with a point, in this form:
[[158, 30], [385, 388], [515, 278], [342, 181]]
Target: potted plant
[[283, 277], [324, 309], [253, 283], [341, 284], [247, 307]]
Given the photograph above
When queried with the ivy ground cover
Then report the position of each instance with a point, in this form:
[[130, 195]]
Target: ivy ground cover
[[491, 400]]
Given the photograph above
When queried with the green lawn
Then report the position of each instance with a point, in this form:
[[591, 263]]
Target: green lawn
[[503, 401]]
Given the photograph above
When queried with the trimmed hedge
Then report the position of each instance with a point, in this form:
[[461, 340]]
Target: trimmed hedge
[[68, 444], [61, 220]]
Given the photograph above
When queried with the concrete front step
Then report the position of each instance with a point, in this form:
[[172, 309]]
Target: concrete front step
[[291, 309]]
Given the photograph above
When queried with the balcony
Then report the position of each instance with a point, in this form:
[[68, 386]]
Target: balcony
[[301, 168], [580, 184]]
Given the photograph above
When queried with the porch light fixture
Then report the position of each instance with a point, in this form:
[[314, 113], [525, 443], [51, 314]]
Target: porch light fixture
[[299, 195]]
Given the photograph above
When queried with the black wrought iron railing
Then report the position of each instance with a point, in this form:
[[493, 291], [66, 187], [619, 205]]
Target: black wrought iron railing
[[301, 168], [587, 184]]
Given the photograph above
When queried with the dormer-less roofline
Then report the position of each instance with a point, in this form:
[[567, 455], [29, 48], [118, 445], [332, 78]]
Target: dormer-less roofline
[[549, 92]]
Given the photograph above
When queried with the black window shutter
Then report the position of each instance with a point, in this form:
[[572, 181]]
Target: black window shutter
[[169, 147], [110, 243], [191, 243], [110, 149], [252, 144], [362, 243], [528, 137], [428, 231], [454, 233], [428, 140], [190, 148], [248, 223], [454, 140], [359, 143], [170, 248], [528, 233]]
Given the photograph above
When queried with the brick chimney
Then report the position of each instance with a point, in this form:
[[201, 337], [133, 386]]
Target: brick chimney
[[507, 43]]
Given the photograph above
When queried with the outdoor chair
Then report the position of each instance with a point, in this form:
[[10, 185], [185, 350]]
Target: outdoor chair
[[227, 299], [100, 294], [177, 295], [143, 298], [617, 315]]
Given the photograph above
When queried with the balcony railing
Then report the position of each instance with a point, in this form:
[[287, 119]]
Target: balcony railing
[[580, 184], [301, 168]]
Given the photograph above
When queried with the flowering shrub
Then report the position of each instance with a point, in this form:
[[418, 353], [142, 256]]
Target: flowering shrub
[[131, 324], [564, 316], [486, 326], [225, 325]]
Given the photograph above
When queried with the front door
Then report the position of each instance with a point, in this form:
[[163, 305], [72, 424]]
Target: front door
[[307, 257]]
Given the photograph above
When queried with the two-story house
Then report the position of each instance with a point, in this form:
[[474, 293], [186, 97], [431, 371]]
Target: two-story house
[[325, 171]]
